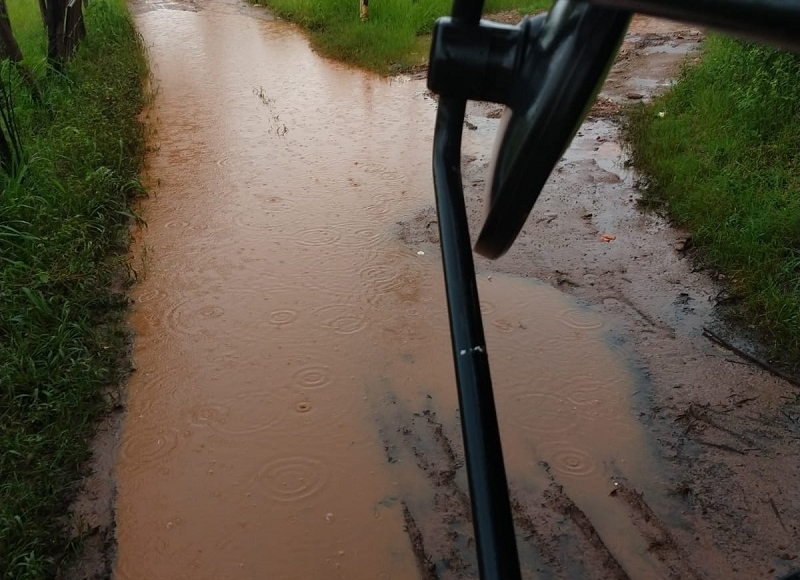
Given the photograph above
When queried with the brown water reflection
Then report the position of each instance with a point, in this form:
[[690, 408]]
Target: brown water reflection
[[285, 337]]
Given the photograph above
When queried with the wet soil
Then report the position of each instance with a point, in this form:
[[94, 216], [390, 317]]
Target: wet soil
[[726, 430], [294, 414]]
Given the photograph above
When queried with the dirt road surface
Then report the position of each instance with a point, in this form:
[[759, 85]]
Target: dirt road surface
[[725, 431], [636, 448]]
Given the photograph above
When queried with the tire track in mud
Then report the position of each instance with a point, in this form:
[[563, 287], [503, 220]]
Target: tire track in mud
[[438, 522], [661, 543], [424, 560], [559, 530], [555, 537]]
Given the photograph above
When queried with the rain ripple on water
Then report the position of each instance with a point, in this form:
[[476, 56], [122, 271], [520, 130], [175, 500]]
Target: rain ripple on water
[[292, 478]]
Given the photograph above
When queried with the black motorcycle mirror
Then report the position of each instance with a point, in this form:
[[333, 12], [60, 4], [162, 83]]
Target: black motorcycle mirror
[[546, 71], [561, 73]]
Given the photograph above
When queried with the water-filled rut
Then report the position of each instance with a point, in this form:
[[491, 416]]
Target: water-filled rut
[[294, 411]]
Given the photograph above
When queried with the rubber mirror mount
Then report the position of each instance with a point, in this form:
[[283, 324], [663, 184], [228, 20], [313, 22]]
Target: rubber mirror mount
[[558, 76], [478, 63]]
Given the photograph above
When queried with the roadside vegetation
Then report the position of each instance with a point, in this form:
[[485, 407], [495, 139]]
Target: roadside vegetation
[[395, 37], [722, 154], [64, 222]]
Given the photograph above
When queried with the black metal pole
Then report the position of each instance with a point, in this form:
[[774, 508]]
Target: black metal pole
[[467, 11], [491, 509]]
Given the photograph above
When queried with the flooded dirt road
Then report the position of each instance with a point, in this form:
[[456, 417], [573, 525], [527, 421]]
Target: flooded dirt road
[[294, 412]]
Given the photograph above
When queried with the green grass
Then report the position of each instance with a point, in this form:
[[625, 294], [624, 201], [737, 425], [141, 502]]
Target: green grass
[[394, 38], [723, 151], [26, 21], [63, 232]]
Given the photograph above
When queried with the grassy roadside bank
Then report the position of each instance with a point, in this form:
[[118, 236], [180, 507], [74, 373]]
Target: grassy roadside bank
[[63, 236], [722, 152], [396, 36]]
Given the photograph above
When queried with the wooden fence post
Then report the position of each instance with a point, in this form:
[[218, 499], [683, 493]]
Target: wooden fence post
[[65, 29], [364, 9], [75, 29]]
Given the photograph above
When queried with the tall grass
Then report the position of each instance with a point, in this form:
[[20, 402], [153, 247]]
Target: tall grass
[[723, 151], [393, 38], [63, 218]]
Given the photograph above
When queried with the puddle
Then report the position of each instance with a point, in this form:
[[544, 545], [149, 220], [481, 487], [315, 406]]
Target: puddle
[[294, 413]]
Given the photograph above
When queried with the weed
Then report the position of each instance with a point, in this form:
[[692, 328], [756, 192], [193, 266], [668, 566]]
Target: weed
[[262, 96]]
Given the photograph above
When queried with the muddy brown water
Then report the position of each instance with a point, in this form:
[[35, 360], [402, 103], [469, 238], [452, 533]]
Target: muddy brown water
[[294, 412]]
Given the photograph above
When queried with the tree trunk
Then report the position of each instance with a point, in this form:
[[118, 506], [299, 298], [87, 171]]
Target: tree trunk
[[9, 48], [8, 44]]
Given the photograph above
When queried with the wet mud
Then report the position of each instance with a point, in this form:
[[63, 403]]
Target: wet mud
[[294, 414], [724, 430]]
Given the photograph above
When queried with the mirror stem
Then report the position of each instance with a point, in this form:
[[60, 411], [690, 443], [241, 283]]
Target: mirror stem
[[491, 508]]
